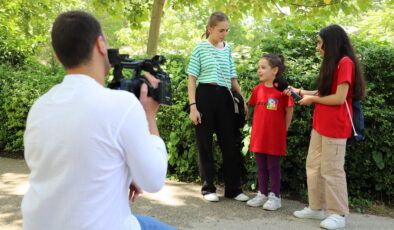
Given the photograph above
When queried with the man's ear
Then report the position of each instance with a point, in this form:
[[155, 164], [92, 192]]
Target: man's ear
[[101, 45]]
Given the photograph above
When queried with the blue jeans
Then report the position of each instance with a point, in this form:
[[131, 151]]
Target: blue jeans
[[149, 223]]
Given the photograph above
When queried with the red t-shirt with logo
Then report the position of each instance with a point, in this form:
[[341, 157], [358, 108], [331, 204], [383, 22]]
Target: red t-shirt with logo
[[269, 125], [333, 120]]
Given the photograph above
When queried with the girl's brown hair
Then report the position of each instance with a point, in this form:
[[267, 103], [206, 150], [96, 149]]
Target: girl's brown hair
[[214, 20], [276, 60]]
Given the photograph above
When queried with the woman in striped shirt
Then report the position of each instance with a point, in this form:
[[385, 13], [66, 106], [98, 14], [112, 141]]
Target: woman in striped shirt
[[212, 107]]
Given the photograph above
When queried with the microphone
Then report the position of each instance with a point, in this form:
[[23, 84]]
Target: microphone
[[281, 84]]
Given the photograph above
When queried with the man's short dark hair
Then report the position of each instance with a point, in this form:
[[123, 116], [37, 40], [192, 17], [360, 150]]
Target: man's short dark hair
[[74, 34]]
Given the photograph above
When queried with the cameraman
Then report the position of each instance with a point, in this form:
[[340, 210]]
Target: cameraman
[[86, 145]]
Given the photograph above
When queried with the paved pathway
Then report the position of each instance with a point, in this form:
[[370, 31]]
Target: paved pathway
[[180, 204]]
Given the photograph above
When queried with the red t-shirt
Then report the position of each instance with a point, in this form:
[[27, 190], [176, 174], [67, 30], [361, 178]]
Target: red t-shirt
[[333, 120], [269, 125]]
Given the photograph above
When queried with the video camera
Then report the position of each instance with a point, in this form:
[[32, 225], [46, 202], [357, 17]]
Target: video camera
[[162, 94]]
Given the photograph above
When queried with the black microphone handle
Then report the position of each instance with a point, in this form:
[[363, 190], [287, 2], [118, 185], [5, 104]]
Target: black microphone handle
[[295, 95]]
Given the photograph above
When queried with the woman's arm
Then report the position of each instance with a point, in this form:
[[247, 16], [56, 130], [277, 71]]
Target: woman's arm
[[191, 91], [303, 92], [288, 116], [235, 86], [334, 99]]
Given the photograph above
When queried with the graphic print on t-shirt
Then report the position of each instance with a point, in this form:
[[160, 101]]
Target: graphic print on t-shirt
[[272, 104]]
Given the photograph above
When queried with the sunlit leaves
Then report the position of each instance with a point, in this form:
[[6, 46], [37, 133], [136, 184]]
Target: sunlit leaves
[[136, 11]]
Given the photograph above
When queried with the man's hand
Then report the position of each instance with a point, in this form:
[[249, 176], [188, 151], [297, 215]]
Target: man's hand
[[150, 105], [134, 191]]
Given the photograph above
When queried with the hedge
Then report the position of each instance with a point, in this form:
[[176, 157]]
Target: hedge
[[19, 88], [369, 165]]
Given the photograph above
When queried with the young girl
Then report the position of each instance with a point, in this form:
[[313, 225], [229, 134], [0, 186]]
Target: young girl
[[271, 119], [212, 108], [340, 81]]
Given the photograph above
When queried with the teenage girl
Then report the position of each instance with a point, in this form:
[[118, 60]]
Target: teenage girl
[[212, 107], [340, 81]]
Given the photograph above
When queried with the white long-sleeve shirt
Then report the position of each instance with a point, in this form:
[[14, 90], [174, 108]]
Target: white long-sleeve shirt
[[84, 144]]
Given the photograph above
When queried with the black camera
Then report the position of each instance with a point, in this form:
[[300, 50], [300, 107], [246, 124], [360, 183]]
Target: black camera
[[162, 94]]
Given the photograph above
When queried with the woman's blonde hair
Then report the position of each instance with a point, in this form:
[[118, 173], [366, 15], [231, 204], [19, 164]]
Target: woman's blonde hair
[[214, 19]]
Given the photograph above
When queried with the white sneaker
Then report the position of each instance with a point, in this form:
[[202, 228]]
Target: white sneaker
[[308, 213], [333, 221], [273, 203], [258, 200], [212, 197], [241, 197]]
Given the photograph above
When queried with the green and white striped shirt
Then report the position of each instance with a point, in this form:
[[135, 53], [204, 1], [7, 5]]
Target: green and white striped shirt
[[210, 64]]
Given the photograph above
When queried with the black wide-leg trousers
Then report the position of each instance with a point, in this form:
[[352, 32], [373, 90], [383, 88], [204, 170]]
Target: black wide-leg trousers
[[216, 106]]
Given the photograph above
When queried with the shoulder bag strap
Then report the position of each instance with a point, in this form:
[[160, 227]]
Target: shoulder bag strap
[[350, 117], [348, 110]]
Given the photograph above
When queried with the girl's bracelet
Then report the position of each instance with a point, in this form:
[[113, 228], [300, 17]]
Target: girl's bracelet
[[192, 104]]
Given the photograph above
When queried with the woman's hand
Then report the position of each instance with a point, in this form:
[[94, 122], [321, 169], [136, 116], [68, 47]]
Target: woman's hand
[[245, 108], [195, 115], [291, 88], [307, 100]]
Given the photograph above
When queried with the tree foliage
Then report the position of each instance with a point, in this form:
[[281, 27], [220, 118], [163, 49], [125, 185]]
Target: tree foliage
[[189, 15], [24, 26], [378, 23], [288, 27]]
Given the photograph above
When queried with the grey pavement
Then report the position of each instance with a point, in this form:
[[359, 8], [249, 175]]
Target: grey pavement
[[181, 205]]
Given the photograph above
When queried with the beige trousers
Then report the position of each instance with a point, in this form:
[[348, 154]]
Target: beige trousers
[[326, 176]]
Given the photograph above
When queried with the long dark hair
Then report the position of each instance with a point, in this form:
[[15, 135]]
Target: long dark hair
[[336, 44], [213, 20], [276, 60]]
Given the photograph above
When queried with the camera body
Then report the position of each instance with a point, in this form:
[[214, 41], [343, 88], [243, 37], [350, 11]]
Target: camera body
[[162, 94]]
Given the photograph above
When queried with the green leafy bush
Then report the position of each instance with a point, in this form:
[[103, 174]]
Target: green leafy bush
[[19, 88], [175, 126], [369, 165]]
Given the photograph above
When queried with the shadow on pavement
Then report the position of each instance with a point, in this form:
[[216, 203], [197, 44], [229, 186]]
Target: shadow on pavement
[[181, 205]]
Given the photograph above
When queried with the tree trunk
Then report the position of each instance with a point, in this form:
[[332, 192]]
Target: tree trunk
[[154, 28]]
